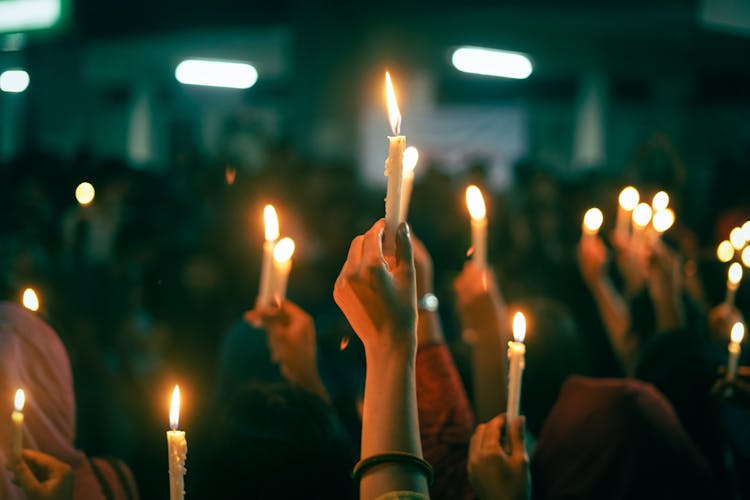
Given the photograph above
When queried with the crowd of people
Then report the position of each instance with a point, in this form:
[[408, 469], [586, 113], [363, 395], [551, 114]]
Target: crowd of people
[[154, 283]]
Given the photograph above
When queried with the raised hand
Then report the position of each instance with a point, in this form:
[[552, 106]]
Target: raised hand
[[42, 476]]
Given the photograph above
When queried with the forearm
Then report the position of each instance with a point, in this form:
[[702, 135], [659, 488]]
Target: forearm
[[616, 318], [488, 374]]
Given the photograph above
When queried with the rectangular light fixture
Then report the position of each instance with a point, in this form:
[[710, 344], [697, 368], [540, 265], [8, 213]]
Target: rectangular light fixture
[[22, 15], [492, 62], [212, 73]]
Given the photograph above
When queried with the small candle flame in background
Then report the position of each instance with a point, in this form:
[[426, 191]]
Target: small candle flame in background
[[734, 275], [271, 222], [660, 201], [411, 157], [394, 115], [642, 215], [230, 174], [30, 299], [344, 342], [475, 203], [629, 198], [85, 193], [283, 250], [737, 238], [19, 401], [725, 251], [746, 256], [738, 332], [519, 327], [592, 220], [663, 219], [174, 409]]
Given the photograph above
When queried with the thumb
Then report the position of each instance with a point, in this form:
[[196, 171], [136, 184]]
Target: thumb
[[517, 448]]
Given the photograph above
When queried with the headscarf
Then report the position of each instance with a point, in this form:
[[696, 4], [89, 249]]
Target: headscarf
[[616, 439]]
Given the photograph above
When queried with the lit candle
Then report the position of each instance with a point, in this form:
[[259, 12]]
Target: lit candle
[[17, 425], [516, 354], [628, 200], [30, 300], [394, 166], [661, 221], [177, 449], [271, 226], [738, 333], [746, 256], [746, 230], [641, 220], [282, 265], [660, 201], [737, 238], [725, 251], [734, 276], [85, 193], [411, 156], [478, 213], [592, 221]]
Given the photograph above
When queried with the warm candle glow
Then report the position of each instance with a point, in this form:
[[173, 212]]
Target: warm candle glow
[[394, 115], [738, 332], [283, 250], [642, 215], [737, 238], [271, 223], [475, 202], [746, 230], [174, 409], [746, 256], [663, 220], [19, 401], [629, 198], [519, 327], [592, 220], [411, 156], [725, 251], [30, 299], [85, 193], [734, 276], [660, 201]]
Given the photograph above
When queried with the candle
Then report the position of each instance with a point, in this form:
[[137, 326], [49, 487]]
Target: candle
[[592, 221], [177, 449], [660, 201], [411, 156], [661, 221], [737, 238], [478, 213], [628, 200], [282, 265], [271, 226], [30, 300], [734, 276], [738, 332], [725, 251], [746, 230], [17, 425], [394, 166], [85, 194], [516, 353], [641, 219]]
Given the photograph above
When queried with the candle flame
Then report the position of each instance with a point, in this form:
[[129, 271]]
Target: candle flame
[[734, 276], [230, 174], [660, 201], [642, 215], [30, 299], [519, 326], [592, 220], [394, 115], [475, 202], [85, 193], [746, 256], [174, 409], [746, 230], [411, 157], [271, 221], [738, 332], [19, 401], [344, 342], [629, 198], [663, 220], [737, 238], [283, 250], [725, 251]]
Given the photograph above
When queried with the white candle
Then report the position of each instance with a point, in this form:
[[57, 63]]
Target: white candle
[[30, 299], [177, 449], [478, 213], [411, 156], [738, 333], [271, 226], [734, 276], [627, 201], [592, 221], [516, 354], [16, 418], [394, 166], [282, 265]]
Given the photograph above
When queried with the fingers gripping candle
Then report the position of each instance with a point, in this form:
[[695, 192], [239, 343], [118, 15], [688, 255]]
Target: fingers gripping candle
[[17, 422], [394, 166], [478, 213], [516, 355], [177, 449]]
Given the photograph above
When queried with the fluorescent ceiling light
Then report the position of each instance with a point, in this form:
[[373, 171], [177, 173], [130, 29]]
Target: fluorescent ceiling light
[[20, 15], [492, 62], [14, 81], [233, 75]]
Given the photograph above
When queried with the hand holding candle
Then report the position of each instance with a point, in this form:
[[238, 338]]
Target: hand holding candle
[[394, 166], [734, 276], [516, 355], [177, 449], [737, 334], [271, 226], [411, 156], [592, 221], [17, 426], [478, 213]]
